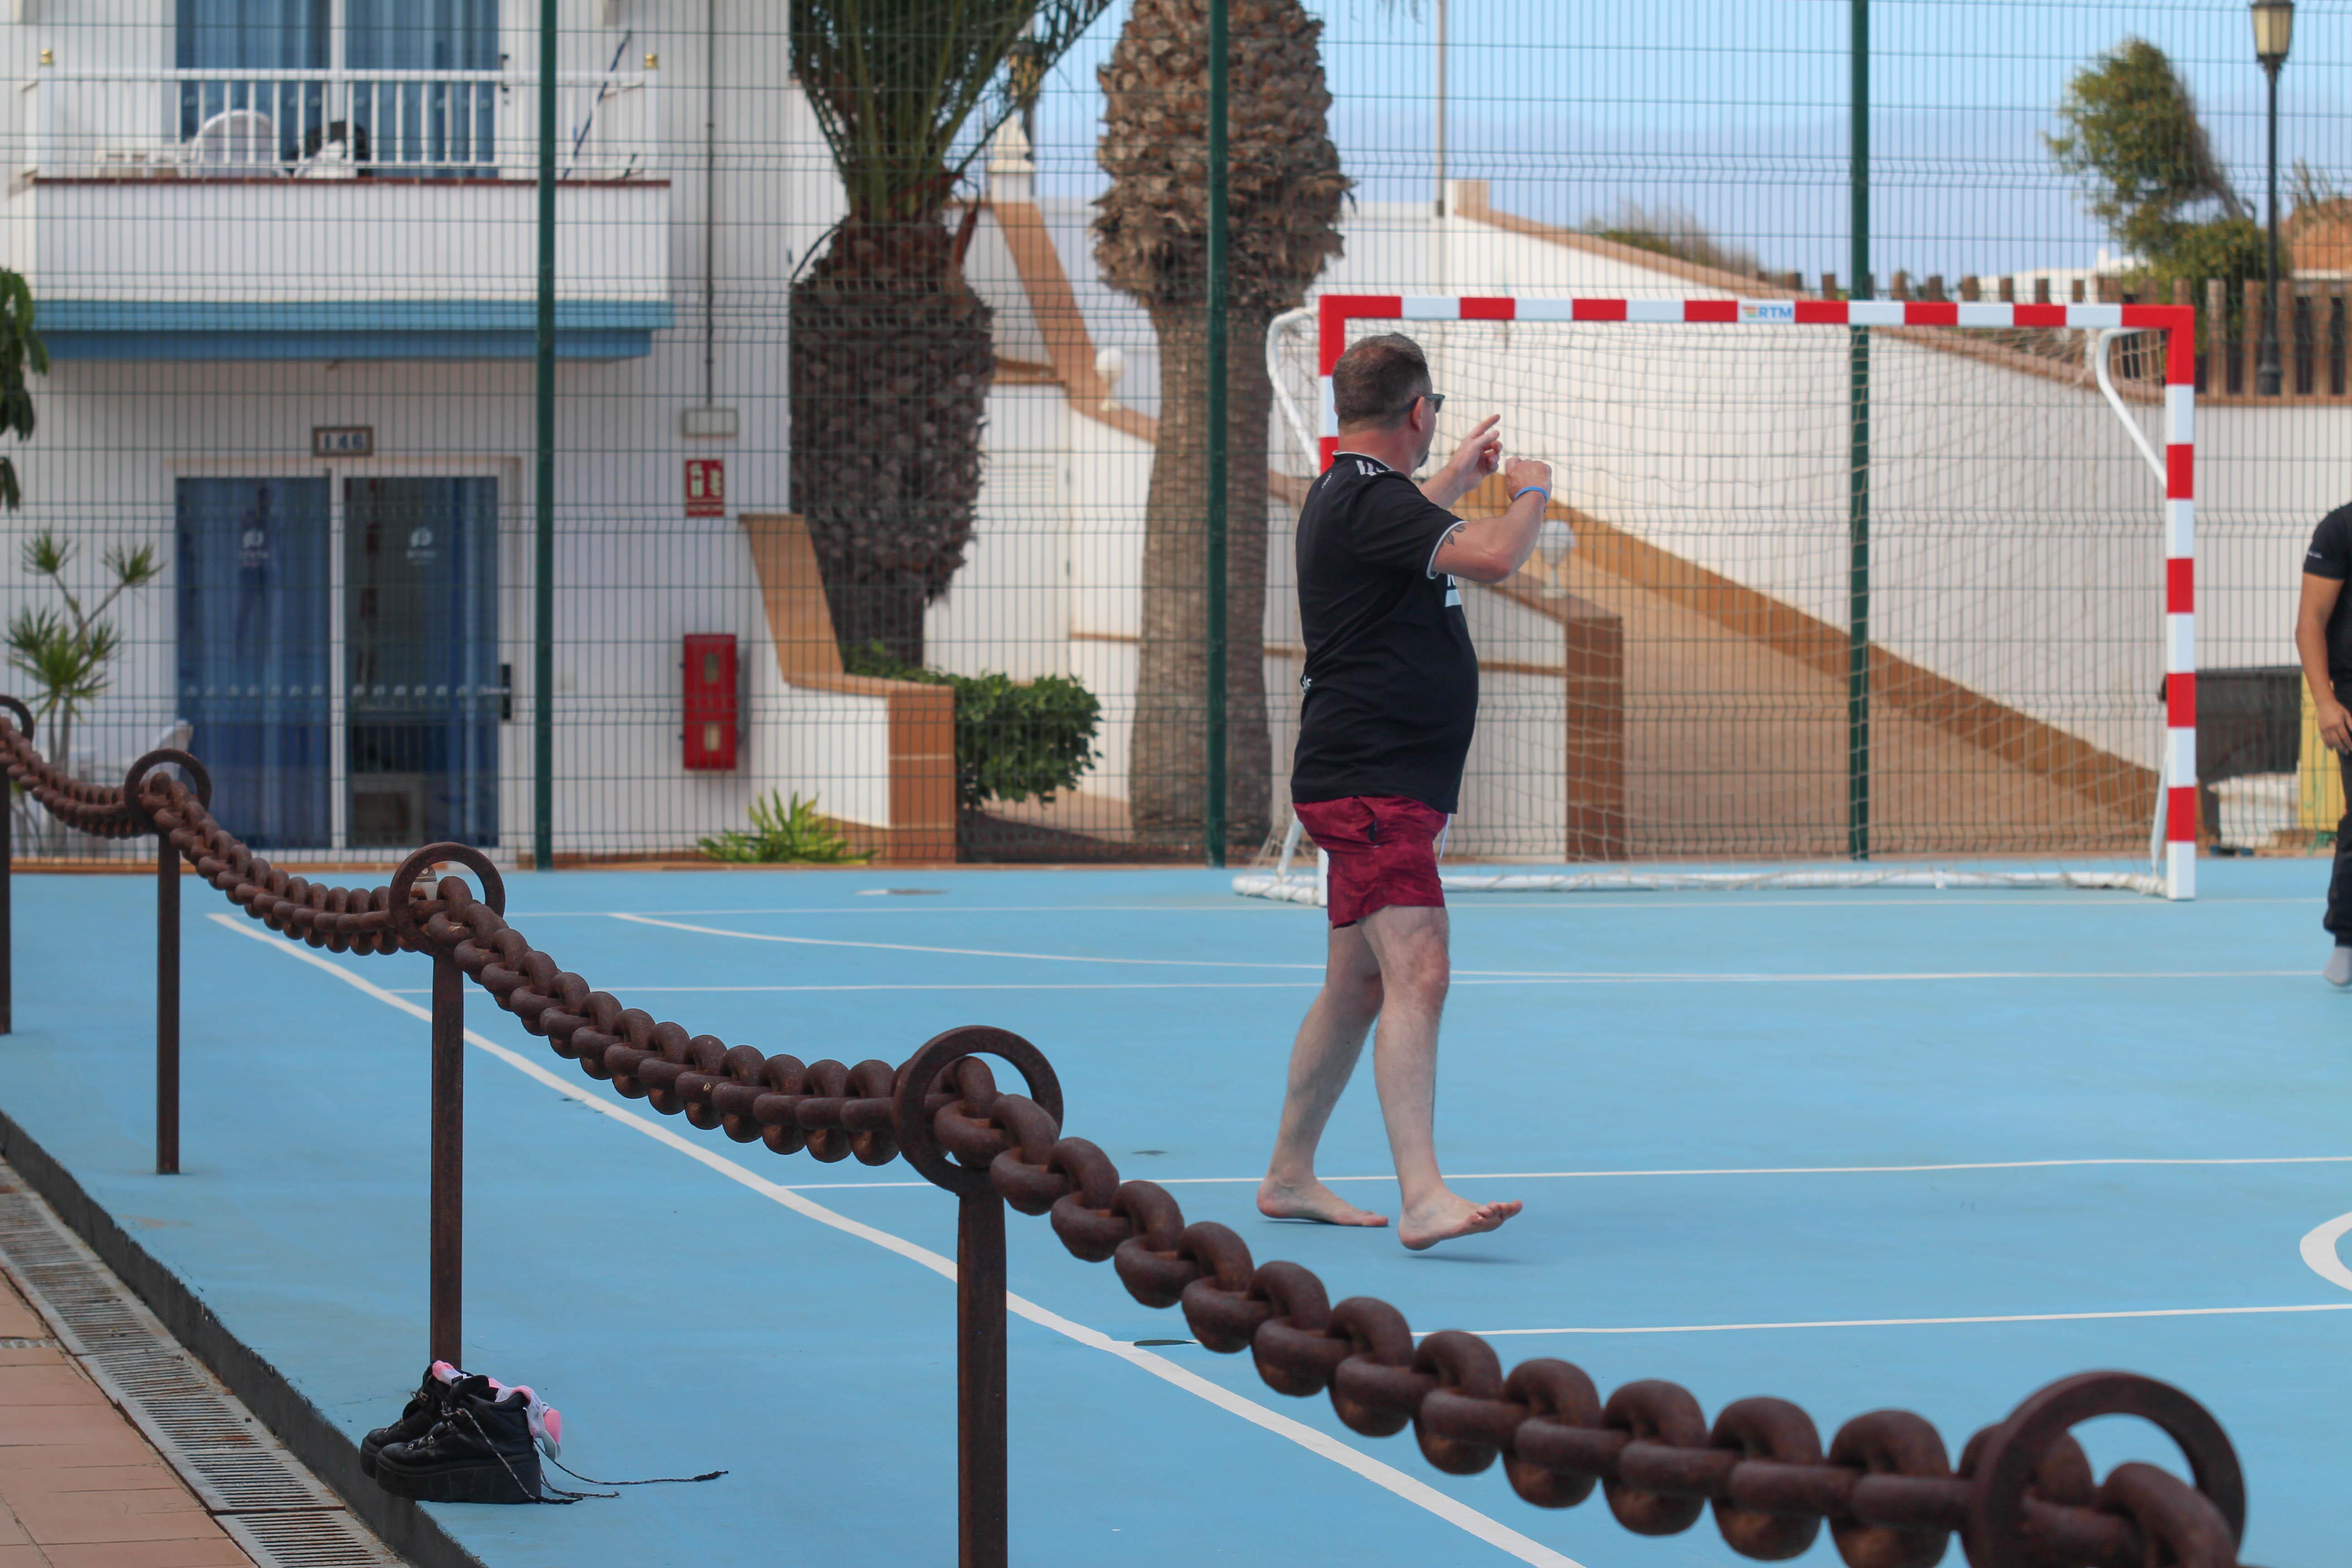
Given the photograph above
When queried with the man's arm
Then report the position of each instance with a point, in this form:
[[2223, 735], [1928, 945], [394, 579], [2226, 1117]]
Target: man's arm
[[1479, 455], [1491, 548], [2319, 596]]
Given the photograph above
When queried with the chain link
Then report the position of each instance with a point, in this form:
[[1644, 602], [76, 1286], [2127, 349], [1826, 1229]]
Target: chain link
[[2021, 1497]]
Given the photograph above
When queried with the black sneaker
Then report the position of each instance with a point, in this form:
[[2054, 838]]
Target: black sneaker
[[481, 1450], [424, 1409]]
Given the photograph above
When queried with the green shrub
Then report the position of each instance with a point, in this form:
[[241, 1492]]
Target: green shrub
[[1015, 739], [782, 834]]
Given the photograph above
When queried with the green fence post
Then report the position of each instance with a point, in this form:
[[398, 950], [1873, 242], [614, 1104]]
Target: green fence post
[[1214, 818], [543, 588], [1857, 509]]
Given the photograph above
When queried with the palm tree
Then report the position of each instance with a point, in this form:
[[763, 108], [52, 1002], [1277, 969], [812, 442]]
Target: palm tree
[[1152, 241], [890, 348]]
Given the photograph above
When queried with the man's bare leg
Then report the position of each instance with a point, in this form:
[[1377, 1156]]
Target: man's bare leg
[[1410, 944], [1321, 1060]]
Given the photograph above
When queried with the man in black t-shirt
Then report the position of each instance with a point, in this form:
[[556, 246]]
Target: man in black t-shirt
[[1390, 698], [2323, 640]]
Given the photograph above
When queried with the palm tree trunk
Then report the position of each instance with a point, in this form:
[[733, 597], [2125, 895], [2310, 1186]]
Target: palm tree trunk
[[1167, 777], [892, 356]]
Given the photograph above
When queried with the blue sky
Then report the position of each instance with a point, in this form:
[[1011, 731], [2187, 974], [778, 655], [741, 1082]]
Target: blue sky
[[1738, 112]]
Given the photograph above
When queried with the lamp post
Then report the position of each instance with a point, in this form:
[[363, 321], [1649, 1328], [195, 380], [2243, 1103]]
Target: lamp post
[[2274, 31]]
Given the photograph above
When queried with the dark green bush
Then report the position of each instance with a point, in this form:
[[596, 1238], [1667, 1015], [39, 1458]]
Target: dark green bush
[[1015, 739]]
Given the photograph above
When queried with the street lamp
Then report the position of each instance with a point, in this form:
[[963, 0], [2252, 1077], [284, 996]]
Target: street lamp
[[2274, 32]]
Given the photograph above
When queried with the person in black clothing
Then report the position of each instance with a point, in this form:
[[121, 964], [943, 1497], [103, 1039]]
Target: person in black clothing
[[1389, 696], [2323, 640]]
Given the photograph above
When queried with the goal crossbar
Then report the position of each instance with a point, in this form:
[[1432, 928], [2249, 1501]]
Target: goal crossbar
[[2173, 835]]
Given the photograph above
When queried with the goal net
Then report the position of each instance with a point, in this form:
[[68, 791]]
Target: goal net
[[1830, 594]]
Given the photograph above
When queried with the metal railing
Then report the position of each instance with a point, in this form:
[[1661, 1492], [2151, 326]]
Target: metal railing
[[336, 124]]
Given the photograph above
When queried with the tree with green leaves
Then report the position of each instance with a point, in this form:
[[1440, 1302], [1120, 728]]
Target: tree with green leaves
[[1284, 194], [21, 351], [2135, 144], [891, 349]]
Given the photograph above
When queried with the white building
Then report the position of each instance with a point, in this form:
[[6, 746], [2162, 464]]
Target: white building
[[286, 269]]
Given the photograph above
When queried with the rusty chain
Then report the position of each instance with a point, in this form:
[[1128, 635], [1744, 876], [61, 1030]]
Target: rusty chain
[[2021, 1495]]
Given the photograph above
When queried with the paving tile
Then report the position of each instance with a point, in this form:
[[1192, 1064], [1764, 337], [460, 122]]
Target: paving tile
[[219, 1552], [11, 1532], [61, 1424], [155, 1515], [38, 1480], [23, 1556], [31, 1356], [54, 1382], [123, 1446], [18, 1319]]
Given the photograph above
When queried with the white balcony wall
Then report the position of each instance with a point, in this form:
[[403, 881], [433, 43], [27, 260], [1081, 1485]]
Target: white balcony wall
[[286, 241]]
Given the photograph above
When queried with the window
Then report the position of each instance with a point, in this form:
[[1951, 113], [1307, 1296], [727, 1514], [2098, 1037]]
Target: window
[[358, 113]]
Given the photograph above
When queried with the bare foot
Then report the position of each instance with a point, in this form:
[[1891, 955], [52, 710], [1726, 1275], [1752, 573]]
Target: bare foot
[[1449, 1216], [1310, 1199]]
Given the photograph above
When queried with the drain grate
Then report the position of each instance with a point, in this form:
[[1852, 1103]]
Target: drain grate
[[312, 1537], [277, 1511]]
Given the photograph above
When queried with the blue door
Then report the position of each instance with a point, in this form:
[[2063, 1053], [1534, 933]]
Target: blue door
[[420, 649], [253, 653]]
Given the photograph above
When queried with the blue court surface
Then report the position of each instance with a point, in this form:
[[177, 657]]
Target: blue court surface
[[1920, 1150]]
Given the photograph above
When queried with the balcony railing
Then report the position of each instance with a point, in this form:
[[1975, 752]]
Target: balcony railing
[[347, 125]]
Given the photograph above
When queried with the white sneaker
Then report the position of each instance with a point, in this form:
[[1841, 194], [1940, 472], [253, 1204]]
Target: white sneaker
[[2339, 967]]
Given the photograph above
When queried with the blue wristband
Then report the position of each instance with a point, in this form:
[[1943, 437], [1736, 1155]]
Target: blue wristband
[[1536, 489]]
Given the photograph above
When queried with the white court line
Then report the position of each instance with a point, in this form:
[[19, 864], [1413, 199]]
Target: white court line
[[972, 985], [1387, 1476], [2319, 1251], [975, 986], [1727, 1171], [1235, 905], [1931, 1322], [1822, 1170], [1512, 902], [956, 951], [1582, 977]]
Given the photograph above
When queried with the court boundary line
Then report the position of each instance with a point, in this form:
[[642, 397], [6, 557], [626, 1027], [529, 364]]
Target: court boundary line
[[1935, 1322], [1461, 1515], [1738, 1171], [1513, 902], [1582, 977]]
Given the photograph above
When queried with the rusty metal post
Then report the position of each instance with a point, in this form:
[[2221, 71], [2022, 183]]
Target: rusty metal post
[[982, 1529], [167, 1007], [167, 942], [448, 1202], [24, 717], [949, 1062], [446, 1222]]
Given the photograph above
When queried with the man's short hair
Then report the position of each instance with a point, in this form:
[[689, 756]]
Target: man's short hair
[[1375, 381]]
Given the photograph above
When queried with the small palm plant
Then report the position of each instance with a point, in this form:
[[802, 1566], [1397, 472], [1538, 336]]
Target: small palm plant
[[66, 654], [783, 834]]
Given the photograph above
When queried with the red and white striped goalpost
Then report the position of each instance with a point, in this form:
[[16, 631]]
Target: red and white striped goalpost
[[2177, 862]]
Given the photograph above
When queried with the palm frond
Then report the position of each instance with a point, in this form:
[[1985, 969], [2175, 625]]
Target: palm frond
[[907, 92]]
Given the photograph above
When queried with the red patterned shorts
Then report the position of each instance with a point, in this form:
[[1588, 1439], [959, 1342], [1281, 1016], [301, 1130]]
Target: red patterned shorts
[[1383, 850]]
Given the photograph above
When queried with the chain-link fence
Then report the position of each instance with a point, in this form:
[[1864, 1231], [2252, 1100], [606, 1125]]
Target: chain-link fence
[[882, 431]]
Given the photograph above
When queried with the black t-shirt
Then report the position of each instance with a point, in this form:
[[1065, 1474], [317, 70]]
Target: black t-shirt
[[2330, 555], [1392, 681]]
